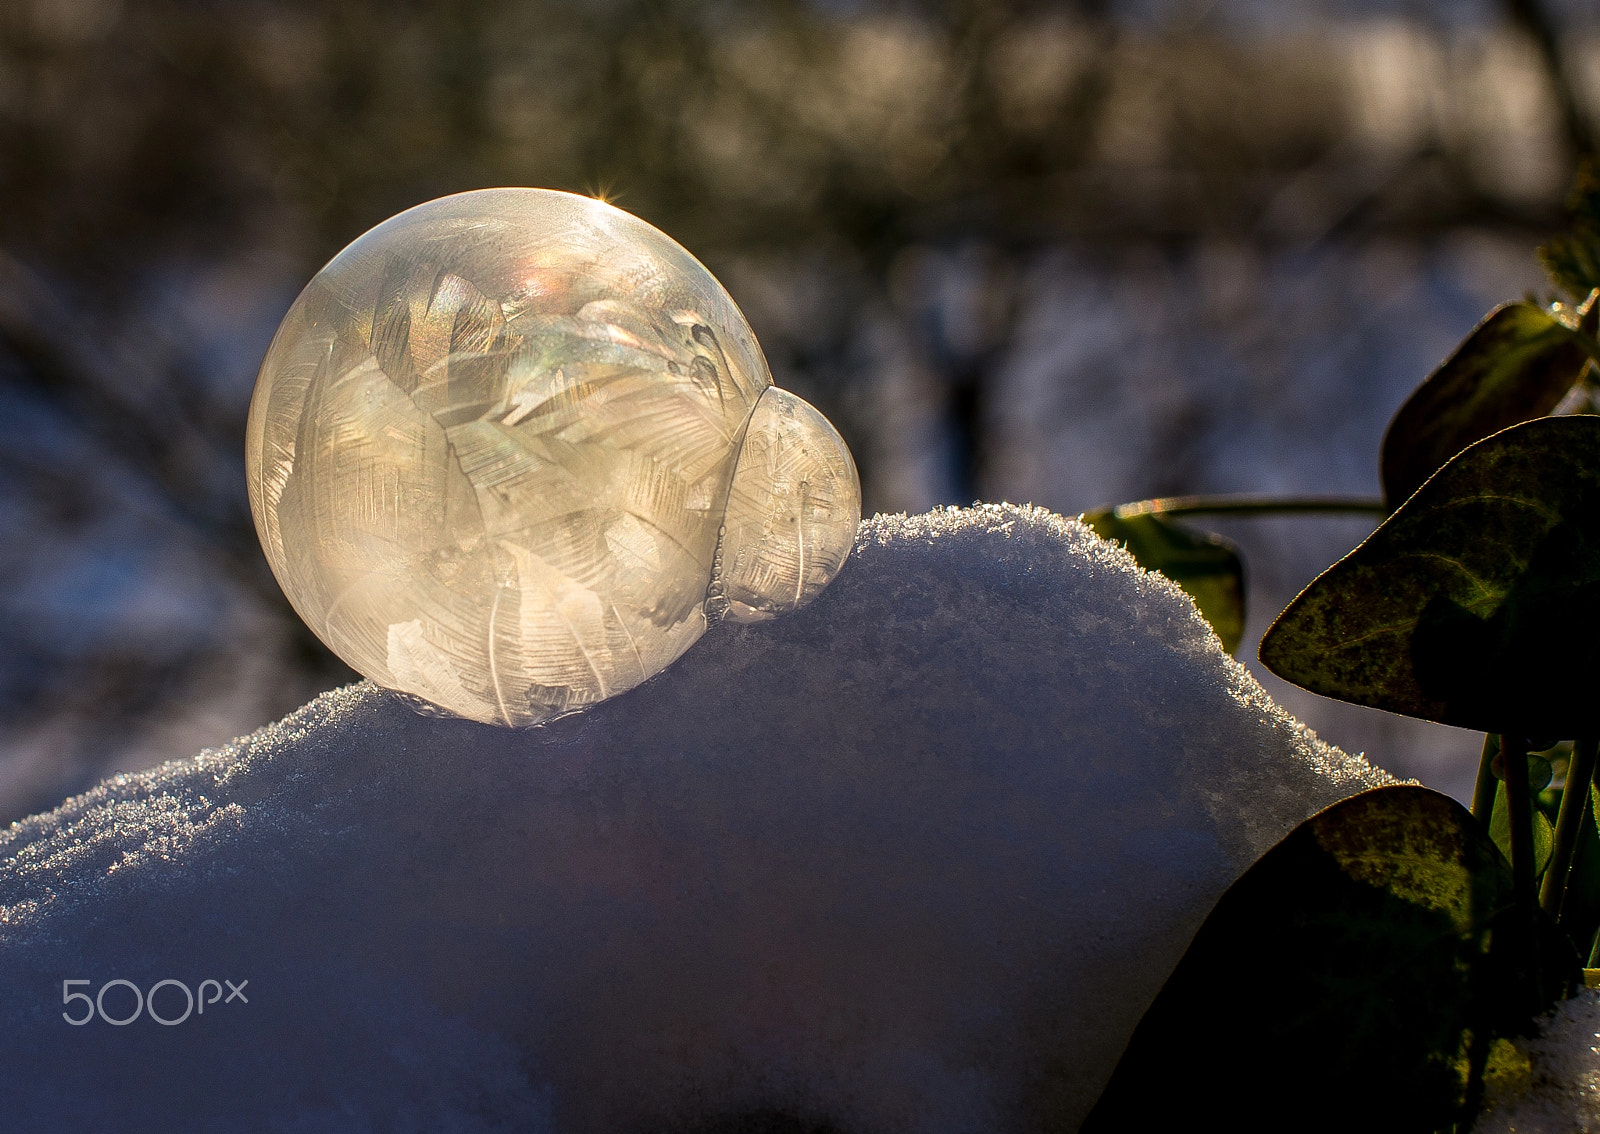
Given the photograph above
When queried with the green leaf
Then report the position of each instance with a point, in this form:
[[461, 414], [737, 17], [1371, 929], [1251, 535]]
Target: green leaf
[[1580, 908], [1515, 366], [1378, 948], [1206, 566], [1580, 913], [1477, 603], [1544, 836], [1572, 259], [1540, 773]]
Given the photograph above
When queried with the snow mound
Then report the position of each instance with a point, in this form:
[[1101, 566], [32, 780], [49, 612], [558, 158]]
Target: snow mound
[[1555, 1089], [916, 858]]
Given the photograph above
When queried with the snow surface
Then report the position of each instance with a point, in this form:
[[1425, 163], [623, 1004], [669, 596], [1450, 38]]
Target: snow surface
[[914, 858], [1558, 1091]]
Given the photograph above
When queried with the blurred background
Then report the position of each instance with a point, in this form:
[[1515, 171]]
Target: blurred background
[[1073, 254]]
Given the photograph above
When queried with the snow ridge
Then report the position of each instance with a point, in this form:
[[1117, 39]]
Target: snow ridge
[[914, 858]]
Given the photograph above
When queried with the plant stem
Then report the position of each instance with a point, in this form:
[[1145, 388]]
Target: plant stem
[[1519, 805], [1569, 821], [1477, 1064], [1250, 505], [1483, 790]]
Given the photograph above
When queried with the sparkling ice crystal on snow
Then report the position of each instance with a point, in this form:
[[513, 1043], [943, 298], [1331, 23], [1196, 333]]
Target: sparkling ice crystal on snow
[[511, 448]]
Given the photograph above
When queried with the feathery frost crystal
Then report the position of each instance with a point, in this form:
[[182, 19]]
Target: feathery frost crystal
[[511, 448]]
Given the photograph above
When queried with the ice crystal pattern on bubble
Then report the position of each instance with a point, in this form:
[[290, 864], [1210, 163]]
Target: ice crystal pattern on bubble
[[510, 449]]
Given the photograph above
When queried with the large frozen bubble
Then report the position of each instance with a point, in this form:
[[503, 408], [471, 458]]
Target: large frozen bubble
[[495, 445], [912, 860]]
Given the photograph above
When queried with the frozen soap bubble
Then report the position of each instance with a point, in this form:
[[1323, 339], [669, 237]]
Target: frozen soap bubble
[[511, 448]]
